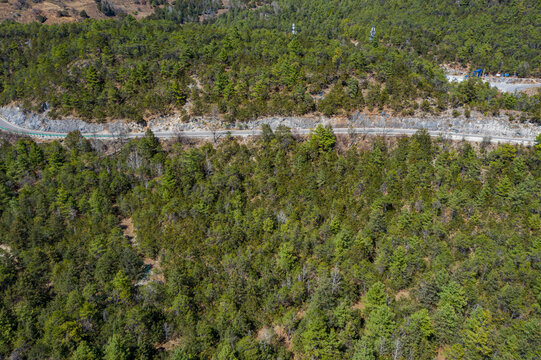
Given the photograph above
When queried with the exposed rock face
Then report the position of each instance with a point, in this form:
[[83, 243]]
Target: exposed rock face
[[476, 125], [42, 122]]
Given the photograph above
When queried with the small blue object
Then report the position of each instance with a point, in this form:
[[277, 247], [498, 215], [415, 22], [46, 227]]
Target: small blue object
[[506, 75]]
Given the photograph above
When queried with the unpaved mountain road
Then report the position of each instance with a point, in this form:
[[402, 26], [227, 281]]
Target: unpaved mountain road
[[510, 85], [8, 127]]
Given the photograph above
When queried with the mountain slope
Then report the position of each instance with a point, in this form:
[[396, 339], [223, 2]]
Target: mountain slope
[[247, 63], [54, 11]]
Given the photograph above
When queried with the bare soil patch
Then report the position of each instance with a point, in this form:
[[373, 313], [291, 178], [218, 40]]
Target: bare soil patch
[[153, 267], [283, 336], [402, 294], [359, 305], [170, 345], [66, 11]]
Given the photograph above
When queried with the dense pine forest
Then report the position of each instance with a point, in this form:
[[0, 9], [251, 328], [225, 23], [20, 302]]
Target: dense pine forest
[[273, 248], [277, 246], [247, 63]]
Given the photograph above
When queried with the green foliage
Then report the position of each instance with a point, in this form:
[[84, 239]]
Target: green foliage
[[380, 326], [149, 145], [115, 349], [419, 335], [446, 324], [375, 296], [271, 248], [84, 352], [323, 138], [121, 286], [479, 343], [240, 67], [286, 256], [317, 341], [453, 295], [75, 141]]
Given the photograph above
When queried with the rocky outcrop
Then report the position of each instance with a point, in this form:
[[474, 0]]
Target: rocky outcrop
[[477, 124], [34, 121]]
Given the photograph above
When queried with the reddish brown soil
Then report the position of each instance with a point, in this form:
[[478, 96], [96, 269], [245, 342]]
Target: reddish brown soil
[[27, 11]]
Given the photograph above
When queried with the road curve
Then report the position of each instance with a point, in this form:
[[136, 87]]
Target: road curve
[[11, 128]]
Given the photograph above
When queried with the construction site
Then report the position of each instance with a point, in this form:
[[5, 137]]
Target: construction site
[[505, 82]]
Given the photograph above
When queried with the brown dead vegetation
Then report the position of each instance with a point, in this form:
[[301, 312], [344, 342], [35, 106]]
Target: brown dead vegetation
[[170, 345], [359, 305], [441, 354], [402, 294], [265, 334], [283, 336]]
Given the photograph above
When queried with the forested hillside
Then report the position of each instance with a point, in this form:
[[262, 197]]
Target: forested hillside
[[497, 35], [278, 247], [246, 63]]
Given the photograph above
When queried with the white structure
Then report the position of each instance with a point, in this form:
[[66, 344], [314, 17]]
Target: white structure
[[372, 33]]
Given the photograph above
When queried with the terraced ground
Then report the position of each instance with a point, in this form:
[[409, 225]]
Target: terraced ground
[[54, 11], [68, 11]]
